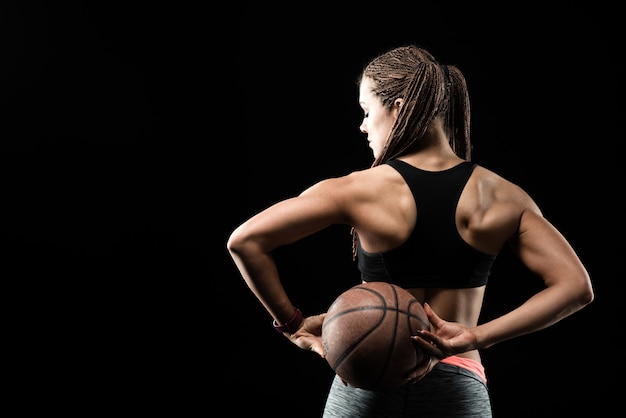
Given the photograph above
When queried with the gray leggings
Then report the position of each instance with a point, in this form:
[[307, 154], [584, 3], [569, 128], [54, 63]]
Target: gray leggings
[[447, 391]]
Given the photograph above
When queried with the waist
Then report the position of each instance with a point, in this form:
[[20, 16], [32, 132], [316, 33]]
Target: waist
[[469, 364]]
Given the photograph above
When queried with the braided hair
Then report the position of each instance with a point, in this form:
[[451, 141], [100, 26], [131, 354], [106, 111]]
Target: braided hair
[[429, 89]]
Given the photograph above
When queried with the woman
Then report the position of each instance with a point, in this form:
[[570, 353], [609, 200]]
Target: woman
[[426, 218]]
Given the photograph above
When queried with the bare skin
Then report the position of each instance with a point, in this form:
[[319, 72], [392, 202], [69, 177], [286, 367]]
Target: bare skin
[[492, 212]]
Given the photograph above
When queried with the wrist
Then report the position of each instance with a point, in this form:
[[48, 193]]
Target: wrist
[[290, 326]]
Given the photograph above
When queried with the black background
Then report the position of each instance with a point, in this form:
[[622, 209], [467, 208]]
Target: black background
[[137, 135]]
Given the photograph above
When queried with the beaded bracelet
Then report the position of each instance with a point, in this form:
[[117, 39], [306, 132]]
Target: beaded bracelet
[[290, 326]]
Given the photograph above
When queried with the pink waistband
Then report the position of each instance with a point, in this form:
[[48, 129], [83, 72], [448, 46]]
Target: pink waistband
[[468, 364]]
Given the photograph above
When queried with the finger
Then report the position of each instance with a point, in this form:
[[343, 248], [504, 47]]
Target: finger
[[419, 372], [425, 345], [433, 318], [430, 347], [319, 350], [425, 335]]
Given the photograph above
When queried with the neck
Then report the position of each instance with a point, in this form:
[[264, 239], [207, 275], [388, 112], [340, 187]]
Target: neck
[[434, 151]]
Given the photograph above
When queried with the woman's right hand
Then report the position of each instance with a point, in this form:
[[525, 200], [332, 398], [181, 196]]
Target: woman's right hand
[[309, 335]]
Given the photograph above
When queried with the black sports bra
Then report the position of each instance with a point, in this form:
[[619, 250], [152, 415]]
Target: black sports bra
[[434, 255]]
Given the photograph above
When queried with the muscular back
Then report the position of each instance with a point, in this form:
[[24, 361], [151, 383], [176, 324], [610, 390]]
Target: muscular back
[[488, 213], [487, 216]]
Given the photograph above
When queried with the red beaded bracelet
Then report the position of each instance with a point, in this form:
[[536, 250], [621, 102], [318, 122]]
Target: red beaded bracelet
[[290, 326]]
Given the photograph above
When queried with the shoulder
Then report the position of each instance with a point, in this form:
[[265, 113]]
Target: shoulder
[[492, 186], [357, 184], [493, 209], [359, 193]]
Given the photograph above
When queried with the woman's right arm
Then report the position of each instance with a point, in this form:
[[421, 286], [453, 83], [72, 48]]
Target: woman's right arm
[[251, 244]]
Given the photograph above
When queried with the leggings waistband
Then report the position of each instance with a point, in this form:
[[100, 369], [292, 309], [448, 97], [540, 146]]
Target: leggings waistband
[[467, 364]]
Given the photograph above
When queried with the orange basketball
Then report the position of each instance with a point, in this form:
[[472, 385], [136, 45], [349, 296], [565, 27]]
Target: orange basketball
[[366, 335]]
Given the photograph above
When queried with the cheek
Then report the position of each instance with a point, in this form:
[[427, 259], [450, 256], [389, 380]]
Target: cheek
[[379, 139], [382, 131]]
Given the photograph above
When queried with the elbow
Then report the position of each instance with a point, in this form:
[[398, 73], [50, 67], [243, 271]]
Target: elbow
[[235, 242], [586, 294], [242, 244]]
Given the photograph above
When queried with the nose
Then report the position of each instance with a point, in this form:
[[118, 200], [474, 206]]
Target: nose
[[362, 127]]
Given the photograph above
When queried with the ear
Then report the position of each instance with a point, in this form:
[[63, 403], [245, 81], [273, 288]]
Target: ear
[[397, 105]]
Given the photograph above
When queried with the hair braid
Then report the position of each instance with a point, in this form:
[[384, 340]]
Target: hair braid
[[457, 118]]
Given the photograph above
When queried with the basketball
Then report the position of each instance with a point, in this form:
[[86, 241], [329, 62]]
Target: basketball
[[366, 335]]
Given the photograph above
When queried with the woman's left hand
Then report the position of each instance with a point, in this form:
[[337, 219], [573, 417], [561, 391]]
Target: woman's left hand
[[445, 338]]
